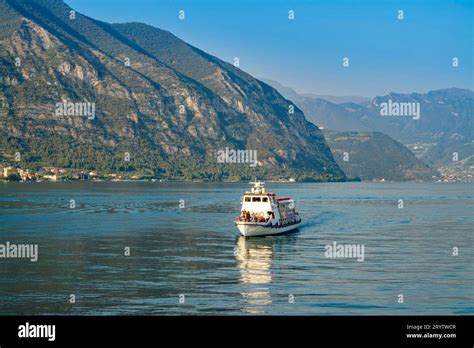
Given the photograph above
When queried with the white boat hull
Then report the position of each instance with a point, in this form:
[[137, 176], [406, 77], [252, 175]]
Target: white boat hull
[[254, 230]]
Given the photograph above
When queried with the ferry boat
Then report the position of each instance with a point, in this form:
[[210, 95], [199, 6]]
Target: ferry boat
[[264, 214]]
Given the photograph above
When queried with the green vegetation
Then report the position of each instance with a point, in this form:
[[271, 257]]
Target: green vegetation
[[137, 106], [373, 155]]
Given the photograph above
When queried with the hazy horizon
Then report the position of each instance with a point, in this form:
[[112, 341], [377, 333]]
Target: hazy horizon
[[303, 93]]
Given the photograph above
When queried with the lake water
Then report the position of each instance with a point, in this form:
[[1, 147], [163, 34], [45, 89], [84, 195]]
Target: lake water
[[196, 251]]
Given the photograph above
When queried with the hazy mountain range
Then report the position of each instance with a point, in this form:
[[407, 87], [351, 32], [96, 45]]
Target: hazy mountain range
[[300, 97], [444, 126], [165, 103]]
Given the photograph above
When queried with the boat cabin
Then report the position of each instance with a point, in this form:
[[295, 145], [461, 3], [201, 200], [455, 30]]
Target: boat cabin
[[258, 202], [258, 199]]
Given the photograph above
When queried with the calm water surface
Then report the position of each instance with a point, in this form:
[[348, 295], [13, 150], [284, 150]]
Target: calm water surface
[[196, 251]]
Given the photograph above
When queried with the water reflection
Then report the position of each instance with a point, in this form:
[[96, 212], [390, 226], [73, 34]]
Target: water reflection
[[254, 258], [171, 252]]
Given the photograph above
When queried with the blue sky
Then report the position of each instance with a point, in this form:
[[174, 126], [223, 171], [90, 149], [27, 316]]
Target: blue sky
[[385, 54]]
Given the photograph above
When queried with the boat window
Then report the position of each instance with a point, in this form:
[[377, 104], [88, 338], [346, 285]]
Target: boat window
[[264, 199], [255, 199], [247, 199]]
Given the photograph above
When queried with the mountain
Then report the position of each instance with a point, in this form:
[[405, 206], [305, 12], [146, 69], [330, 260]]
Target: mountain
[[443, 113], [337, 99], [291, 94], [376, 156], [339, 117], [166, 104], [445, 124]]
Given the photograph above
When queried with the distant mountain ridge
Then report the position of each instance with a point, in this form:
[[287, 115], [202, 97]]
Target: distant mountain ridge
[[300, 97], [170, 108], [445, 126]]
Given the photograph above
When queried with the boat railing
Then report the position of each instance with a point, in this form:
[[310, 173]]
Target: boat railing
[[254, 218]]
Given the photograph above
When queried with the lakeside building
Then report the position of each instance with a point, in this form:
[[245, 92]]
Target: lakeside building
[[7, 171]]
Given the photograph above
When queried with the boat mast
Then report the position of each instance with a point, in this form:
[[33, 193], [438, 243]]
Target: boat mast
[[259, 186]]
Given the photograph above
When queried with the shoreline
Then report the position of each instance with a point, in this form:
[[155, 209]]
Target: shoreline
[[235, 182]]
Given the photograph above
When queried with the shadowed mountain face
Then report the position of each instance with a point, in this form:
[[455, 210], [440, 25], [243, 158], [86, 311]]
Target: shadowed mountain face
[[376, 156], [167, 104]]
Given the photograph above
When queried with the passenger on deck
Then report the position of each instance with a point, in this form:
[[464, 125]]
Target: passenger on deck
[[247, 216]]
